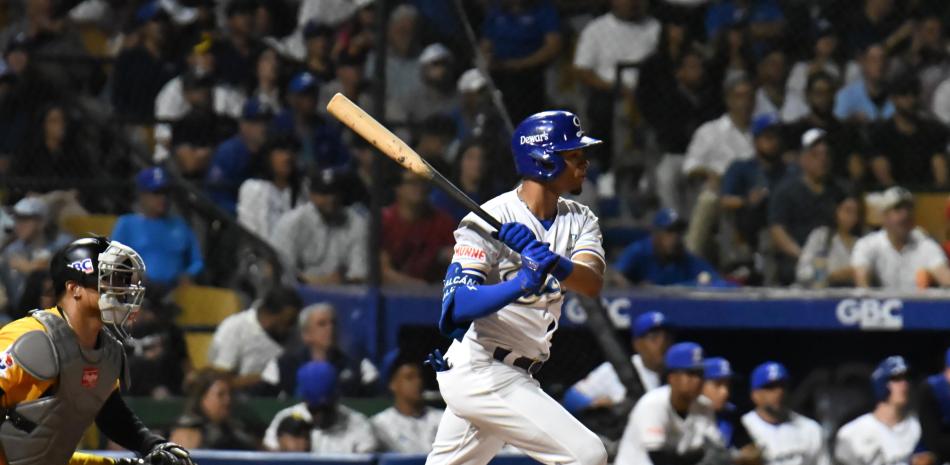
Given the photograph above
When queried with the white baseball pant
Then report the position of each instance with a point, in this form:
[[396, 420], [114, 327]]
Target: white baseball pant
[[491, 403]]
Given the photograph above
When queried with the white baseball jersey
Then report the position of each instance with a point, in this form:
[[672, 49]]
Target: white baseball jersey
[[655, 426], [351, 434], [604, 382], [401, 433], [527, 325], [797, 441], [867, 441]]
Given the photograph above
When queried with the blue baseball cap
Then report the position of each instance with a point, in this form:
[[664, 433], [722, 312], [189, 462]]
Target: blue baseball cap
[[763, 123], [889, 368], [316, 383], [716, 368], [302, 82], [149, 11], [668, 219], [647, 322], [255, 110], [152, 179], [684, 356], [768, 373]]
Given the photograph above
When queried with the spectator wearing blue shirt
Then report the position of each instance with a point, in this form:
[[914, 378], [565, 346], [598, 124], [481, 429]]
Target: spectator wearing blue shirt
[[865, 100], [521, 37], [764, 18], [747, 183], [235, 159], [167, 244], [661, 259], [321, 144]]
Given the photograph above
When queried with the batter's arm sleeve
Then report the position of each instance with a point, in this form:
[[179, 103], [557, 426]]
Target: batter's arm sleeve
[[117, 421]]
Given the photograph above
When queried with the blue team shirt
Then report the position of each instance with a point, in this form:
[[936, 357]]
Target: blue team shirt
[[638, 263], [854, 99], [230, 166], [519, 35], [725, 14], [167, 245], [322, 148]]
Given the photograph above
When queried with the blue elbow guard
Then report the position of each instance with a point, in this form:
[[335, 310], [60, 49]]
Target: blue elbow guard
[[575, 401]]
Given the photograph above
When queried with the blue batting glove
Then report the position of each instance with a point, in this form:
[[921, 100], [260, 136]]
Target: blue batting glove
[[536, 261], [437, 361], [515, 235]]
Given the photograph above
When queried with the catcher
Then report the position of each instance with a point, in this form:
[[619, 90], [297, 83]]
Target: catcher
[[61, 368]]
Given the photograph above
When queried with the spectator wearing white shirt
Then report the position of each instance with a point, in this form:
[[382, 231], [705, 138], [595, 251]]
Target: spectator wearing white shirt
[[715, 145], [409, 426], [673, 424], [772, 98], [626, 34], [822, 59], [889, 434], [245, 342], [826, 255], [261, 202], [899, 257], [337, 429], [323, 240], [651, 337]]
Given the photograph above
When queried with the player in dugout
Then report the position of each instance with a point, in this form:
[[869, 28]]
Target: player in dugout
[[61, 367]]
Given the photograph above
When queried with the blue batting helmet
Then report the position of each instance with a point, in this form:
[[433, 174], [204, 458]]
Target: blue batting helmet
[[890, 367], [538, 139]]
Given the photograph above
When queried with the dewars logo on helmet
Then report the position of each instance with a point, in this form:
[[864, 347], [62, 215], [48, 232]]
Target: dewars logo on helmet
[[84, 265], [535, 139]]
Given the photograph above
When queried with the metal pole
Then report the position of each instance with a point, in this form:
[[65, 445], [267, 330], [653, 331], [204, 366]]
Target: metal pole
[[375, 296], [379, 111], [482, 64]]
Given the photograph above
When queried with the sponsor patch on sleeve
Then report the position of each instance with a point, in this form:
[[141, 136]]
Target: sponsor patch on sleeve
[[470, 252]]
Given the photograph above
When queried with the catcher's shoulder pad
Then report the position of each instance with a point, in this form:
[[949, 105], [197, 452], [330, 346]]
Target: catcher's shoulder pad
[[34, 352]]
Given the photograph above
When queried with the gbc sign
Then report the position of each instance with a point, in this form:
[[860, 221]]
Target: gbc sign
[[871, 314]]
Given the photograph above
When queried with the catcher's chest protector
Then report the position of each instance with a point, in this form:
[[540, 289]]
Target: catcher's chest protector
[[85, 379]]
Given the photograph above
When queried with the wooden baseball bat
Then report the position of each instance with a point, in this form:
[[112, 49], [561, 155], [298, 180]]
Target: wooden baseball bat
[[393, 147]]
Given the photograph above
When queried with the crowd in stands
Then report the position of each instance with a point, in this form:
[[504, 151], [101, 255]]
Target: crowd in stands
[[749, 120], [755, 141]]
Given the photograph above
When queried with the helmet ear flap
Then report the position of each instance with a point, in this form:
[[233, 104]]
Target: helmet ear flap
[[549, 163]]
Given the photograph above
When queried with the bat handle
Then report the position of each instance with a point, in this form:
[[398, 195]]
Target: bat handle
[[488, 218]]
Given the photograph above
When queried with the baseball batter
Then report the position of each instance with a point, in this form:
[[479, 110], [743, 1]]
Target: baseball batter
[[889, 434], [501, 303]]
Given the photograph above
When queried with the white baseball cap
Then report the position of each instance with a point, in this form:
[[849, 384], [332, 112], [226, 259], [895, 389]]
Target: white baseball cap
[[433, 53], [472, 81], [894, 197], [812, 137], [30, 207]]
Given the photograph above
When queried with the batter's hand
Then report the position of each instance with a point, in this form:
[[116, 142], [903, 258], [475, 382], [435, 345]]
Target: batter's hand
[[536, 260], [515, 235], [437, 361], [168, 453]]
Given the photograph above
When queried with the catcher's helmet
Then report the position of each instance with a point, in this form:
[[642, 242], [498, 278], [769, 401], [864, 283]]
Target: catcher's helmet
[[112, 268], [538, 139]]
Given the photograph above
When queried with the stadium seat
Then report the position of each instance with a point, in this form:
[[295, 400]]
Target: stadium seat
[[82, 226], [205, 306], [198, 343]]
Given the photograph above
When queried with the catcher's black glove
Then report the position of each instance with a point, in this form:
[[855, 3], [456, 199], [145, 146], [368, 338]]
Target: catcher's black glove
[[168, 453]]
